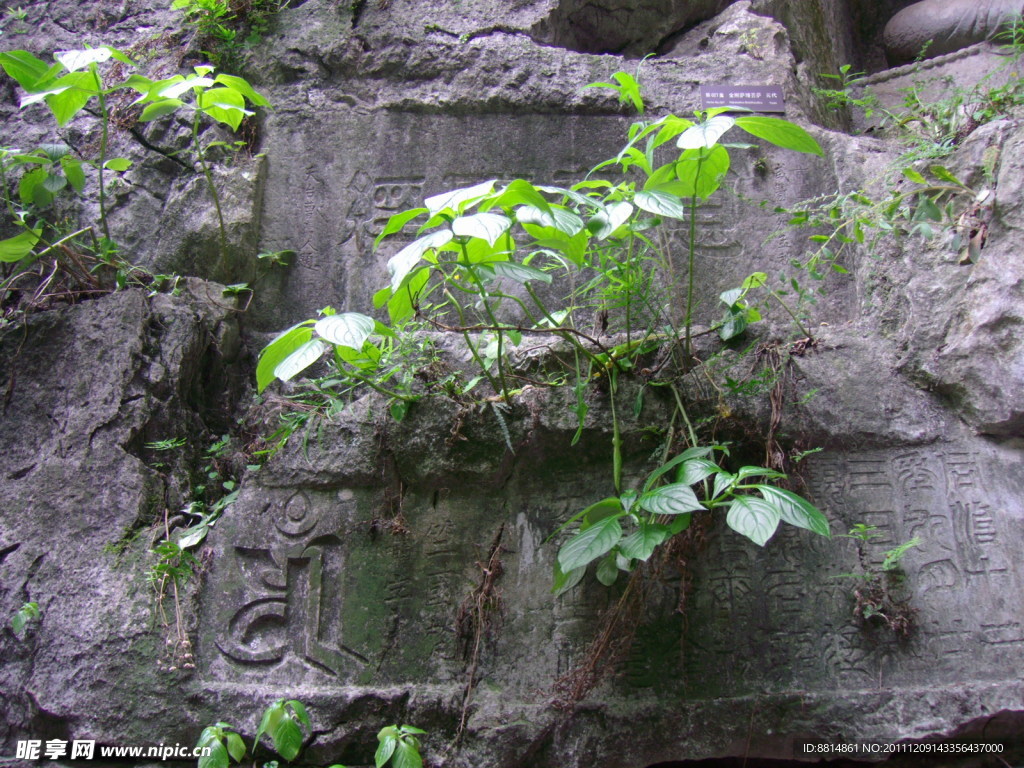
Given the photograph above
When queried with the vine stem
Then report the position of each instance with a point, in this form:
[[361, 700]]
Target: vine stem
[[688, 343], [201, 156]]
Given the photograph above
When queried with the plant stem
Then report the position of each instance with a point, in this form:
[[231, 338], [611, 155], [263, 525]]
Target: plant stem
[[201, 156], [616, 433], [688, 343], [104, 128]]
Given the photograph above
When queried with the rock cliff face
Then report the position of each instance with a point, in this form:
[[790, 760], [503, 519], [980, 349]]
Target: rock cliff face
[[345, 573]]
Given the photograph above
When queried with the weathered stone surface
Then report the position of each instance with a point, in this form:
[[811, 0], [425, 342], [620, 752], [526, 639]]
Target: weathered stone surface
[[941, 26], [338, 575]]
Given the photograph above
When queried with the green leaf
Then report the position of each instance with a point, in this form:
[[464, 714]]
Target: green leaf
[[236, 747], [242, 86], [18, 247], [926, 207], [781, 133], [695, 470], [943, 174], [397, 222], [700, 172], [673, 499], [555, 217], [402, 263], [300, 360], [796, 510], [399, 409], [660, 203], [733, 325], [689, 453], [386, 748], [914, 176], [486, 226], [723, 481], [400, 304], [563, 582], [590, 544], [406, 756], [753, 517], [280, 348], [518, 272], [118, 164], [287, 739], [71, 94], [218, 757], [606, 221], [75, 60], [520, 192], [178, 85], [607, 570], [349, 329], [705, 134], [74, 173], [224, 105], [459, 199], [746, 472], [158, 109], [642, 542], [29, 72]]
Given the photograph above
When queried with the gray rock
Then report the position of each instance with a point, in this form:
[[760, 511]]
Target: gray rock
[[942, 26]]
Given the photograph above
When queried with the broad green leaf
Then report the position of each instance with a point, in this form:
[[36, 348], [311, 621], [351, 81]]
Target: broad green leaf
[[914, 176], [555, 217], [730, 297], [31, 189], [563, 582], [486, 226], [349, 329], [74, 173], [926, 207], [406, 756], [459, 199], [54, 183], [733, 325], [753, 517], [26, 69], [518, 272], [745, 472], [218, 757], [402, 263], [572, 194], [243, 87], [412, 729], [755, 280], [224, 105], [280, 348], [520, 192], [287, 739], [67, 97], [606, 221], [18, 247], [236, 747], [796, 510], [689, 453], [385, 749], [695, 470], [397, 222], [781, 133], [175, 86], [642, 542], [118, 164], [723, 481], [705, 134], [673, 499], [700, 172], [400, 304], [271, 719], [158, 109], [193, 536], [300, 360], [586, 546], [607, 570], [75, 60], [943, 174], [660, 203]]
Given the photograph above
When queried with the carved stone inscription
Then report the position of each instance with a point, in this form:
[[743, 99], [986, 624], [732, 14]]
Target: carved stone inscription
[[283, 592], [782, 618]]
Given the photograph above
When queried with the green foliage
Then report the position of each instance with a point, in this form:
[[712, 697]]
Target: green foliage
[[399, 746], [626, 530], [21, 618], [283, 722], [224, 743], [229, 28]]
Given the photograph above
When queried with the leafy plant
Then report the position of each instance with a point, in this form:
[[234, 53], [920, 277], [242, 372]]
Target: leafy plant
[[399, 746], [283, 722], [224, 744], [659, 511], [22, 617], [876, 596]]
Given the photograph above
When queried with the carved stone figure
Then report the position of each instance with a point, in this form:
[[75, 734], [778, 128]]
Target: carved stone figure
[[948, 24]]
